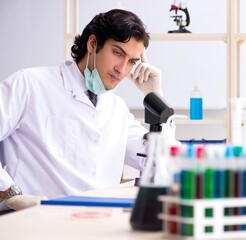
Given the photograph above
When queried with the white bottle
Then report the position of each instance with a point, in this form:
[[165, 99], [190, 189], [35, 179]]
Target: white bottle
[[236, 120]]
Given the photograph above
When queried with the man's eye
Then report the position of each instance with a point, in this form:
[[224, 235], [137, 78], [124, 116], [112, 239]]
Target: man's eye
[[117, 53], [133, 62]]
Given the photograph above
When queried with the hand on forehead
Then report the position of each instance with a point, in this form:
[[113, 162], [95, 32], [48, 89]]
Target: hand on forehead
[[144, 57]]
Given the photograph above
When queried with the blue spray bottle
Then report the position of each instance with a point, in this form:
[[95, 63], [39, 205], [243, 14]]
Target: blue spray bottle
[[196, 106]]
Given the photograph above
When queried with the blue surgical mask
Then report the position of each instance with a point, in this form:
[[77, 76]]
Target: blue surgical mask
[[93, 80]]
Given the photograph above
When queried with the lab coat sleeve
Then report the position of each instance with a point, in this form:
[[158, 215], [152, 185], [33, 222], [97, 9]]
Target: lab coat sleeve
[[135, 144], [5, 180], [13, 100]]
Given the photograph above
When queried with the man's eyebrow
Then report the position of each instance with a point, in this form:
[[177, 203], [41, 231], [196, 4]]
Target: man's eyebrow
[[122, 50]]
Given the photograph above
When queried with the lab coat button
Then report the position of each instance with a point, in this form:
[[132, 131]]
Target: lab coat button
[[93, 173], [96, 141]]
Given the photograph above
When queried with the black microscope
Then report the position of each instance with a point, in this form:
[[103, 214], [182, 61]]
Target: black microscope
[[146, 207], [179, 5], [155, 114]]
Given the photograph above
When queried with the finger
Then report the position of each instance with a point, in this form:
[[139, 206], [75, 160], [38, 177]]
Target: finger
[[146, 74], [137, 71], [144, 57], [141, 76], [130, 76]]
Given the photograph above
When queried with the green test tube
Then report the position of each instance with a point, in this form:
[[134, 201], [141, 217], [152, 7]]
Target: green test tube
[[209, 183], [187, 191]]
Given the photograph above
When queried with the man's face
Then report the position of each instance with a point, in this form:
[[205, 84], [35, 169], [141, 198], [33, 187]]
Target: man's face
[[116, 59]]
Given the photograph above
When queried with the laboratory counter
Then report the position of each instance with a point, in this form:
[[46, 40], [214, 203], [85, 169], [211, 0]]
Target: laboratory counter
[[75, 222]]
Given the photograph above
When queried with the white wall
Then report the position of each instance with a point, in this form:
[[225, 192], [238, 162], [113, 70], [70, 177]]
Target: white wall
[[31, 34]]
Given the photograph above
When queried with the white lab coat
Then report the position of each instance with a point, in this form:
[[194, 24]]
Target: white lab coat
[[54, 142]]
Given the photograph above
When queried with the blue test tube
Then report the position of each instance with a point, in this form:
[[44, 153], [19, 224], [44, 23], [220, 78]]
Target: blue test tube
[[243, 190], [219, 158]]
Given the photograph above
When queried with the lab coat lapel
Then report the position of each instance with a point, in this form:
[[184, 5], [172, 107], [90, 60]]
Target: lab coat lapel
[[74, 81], [103, 101]]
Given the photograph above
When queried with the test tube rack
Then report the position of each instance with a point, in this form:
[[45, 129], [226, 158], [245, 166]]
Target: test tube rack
[[216, 223]]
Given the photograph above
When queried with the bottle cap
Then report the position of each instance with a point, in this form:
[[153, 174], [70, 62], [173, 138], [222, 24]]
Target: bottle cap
[[196, 92]]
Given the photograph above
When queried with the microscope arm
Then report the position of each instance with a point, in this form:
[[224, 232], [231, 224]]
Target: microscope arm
[[185, 10]]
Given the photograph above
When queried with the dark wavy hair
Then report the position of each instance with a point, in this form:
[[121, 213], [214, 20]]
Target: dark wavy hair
[[117, 24]]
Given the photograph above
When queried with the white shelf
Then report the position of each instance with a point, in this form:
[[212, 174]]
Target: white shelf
[[221, 122], [70, 36], [240, 37], [200, 122], [189, 37]]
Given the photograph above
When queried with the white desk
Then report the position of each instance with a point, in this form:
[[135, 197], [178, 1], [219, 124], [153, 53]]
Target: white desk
[[71, 222]]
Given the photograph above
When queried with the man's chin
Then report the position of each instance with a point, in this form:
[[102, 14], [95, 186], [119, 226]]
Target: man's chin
[[112, 87]]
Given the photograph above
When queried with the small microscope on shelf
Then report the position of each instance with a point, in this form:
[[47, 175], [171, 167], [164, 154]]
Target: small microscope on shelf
[[179, 5]]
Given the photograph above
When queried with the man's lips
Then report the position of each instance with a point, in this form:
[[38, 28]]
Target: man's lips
[[114, 78]]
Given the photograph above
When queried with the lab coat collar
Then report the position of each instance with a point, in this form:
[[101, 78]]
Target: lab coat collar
[[73, 80], [71, 75]]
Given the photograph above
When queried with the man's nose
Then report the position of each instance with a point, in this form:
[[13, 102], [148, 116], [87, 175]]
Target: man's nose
[[121, 67]]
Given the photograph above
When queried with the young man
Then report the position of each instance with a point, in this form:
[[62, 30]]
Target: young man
[[54, 140]]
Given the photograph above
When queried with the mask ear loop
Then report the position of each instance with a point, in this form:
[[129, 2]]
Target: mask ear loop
[[95, 56], [87, 61]]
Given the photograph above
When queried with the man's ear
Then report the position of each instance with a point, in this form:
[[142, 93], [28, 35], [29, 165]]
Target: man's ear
[[91, 43]]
